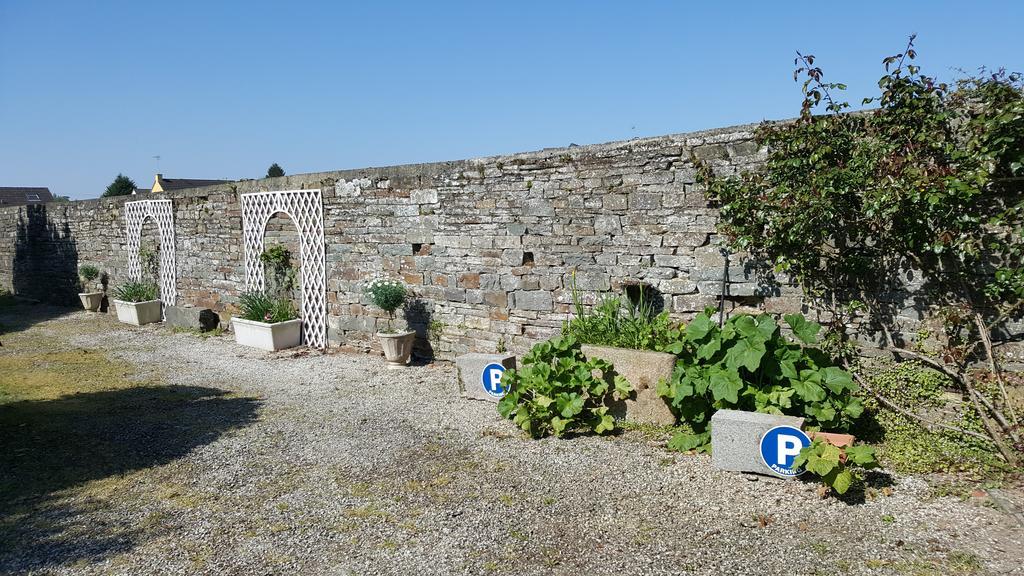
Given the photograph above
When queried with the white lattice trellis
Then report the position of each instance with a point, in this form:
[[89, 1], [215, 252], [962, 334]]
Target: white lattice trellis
[[305, 208], [162, 212]]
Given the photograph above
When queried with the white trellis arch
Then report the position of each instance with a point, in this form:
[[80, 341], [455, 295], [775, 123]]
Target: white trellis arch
[[162, 212], [306, 209]]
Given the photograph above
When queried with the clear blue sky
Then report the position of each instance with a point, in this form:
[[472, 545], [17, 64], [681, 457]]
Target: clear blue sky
[[223, 89]]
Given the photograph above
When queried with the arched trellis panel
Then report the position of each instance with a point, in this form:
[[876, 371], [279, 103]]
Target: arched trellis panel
[[305, 208], [162, 212]]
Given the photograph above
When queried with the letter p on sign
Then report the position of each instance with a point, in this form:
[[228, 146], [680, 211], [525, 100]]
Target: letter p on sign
[[788, 447]]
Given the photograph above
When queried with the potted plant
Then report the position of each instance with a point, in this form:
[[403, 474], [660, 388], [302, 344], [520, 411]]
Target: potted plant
[[268, 322], [388, 295], [91, 301], [137, 302]]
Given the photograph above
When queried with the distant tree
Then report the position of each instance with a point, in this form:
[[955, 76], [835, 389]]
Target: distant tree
[[62, 199], [274, 171], [121, 186]]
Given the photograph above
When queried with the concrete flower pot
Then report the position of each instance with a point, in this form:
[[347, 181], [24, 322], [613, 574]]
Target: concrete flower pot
[[91, 300], [266, 336], [397, 347], [138, 313], [643, 369]]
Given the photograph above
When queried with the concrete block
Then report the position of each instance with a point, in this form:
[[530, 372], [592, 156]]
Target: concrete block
[[192, 318], [736, 439], [471, 369]]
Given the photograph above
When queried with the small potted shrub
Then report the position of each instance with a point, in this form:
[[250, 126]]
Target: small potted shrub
[[267, 322], [389, 295], [137, 302], [91, 301]]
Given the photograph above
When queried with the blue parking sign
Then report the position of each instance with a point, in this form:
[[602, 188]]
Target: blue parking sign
[[491, 379], [779, 448]]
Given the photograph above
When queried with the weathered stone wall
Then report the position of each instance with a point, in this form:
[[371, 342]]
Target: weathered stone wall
[[489, 246]]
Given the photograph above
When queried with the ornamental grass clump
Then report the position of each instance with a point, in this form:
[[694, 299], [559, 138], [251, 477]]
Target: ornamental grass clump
[[136, 291], [621, 323], [388, 295], [264, 307]]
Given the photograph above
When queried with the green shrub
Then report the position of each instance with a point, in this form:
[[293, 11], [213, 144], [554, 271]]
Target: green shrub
[[556, 390], [264, 307], [88, 272], [748, 364], [838, 468], [620, 323], [137, 291], [386, 294]]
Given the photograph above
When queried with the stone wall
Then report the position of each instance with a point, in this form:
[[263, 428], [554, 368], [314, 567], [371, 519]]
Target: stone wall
[[490, 246]]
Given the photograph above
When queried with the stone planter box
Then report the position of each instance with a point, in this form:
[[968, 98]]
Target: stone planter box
[[397, 347], [91, 301], [266, 336], [643, 369], [138, 313]]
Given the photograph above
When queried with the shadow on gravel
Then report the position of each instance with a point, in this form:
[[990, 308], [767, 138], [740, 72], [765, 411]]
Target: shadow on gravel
[[18, 316], [48, 446]]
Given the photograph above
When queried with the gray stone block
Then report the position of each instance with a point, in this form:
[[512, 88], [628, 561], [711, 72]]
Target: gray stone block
[[471, 373], [191, 318], [736, 439], [643, 369]]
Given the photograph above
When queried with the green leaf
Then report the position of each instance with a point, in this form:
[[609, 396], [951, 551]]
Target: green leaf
[[842, 481], [684, 442], [861, 455], [725, 385], [542, 400], [806, 331], [606, 424], [559, 424], [836, 379], [623, 388], [709, 349], [745, 353], [854, 409], [808, 391], [699, 327], [746, 326], [569, 405], [766, 326]]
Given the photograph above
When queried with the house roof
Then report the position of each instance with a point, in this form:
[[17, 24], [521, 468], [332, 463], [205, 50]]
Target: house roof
[[19, 196], [179, 183]]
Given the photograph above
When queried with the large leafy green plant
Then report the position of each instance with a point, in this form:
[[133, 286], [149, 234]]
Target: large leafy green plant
[[557, 390], [838, 468], [748, 364]]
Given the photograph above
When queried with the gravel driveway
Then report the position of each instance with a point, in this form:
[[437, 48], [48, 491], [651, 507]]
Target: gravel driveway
[[304, 463]]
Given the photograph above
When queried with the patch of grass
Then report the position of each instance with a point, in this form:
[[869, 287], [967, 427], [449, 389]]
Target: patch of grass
[[359, 489], [366, 513], [215, 333]]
